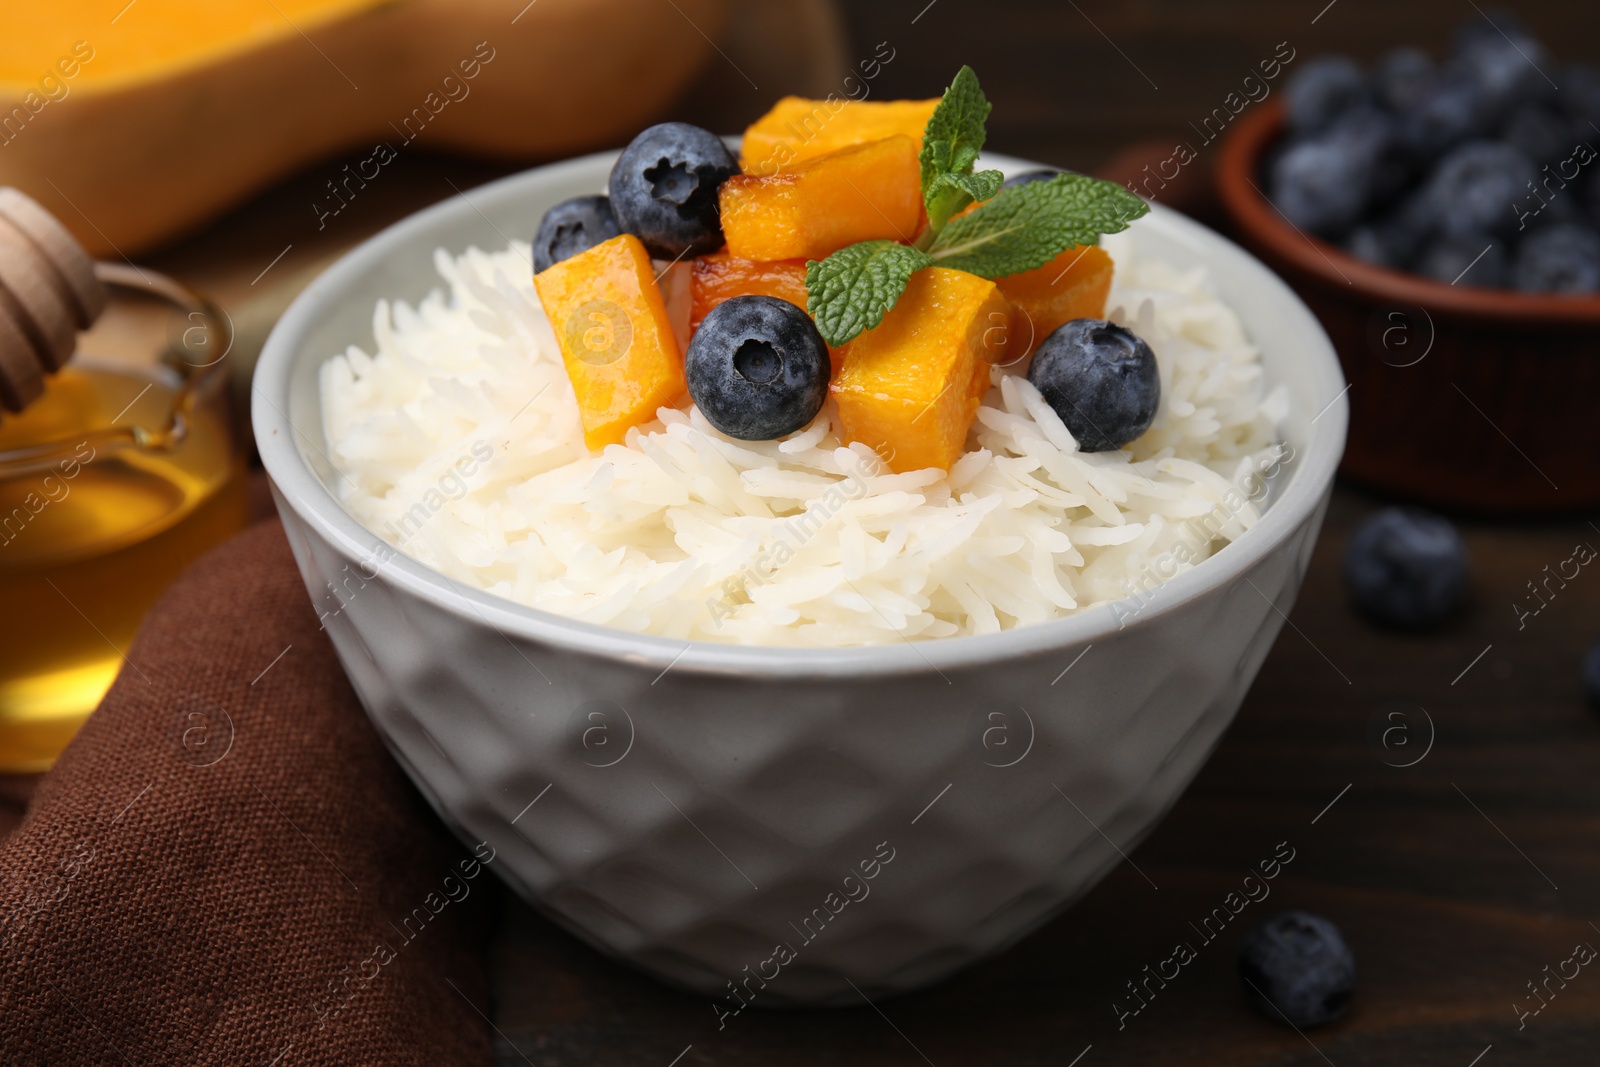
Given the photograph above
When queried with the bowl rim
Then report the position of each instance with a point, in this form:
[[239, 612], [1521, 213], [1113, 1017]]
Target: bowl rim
[[298, 488], [1248, 206]]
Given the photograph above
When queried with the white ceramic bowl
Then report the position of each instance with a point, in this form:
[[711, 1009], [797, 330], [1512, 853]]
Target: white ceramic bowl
[[690, 808]]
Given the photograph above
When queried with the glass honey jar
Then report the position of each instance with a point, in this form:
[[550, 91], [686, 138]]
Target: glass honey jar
[[111, 482]]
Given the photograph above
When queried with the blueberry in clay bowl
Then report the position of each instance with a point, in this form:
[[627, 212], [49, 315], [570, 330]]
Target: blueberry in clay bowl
[[1440, 213], [1474, 145]]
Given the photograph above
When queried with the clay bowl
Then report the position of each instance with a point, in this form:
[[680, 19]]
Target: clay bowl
[[1478, 400]]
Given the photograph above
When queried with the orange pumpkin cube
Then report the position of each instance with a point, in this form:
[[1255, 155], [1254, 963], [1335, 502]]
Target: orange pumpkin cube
[[862, 193], [910, 386], [616, 340], [1074, 285], [720, 277], [797, 129]]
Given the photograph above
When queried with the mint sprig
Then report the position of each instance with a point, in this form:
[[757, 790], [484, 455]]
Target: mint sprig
[[949, 193], [1011, 231], [1027, 226], [950, 145]]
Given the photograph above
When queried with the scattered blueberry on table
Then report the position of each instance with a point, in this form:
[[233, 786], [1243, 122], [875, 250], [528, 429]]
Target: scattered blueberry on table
[[1409, 164], [572, 226], [1407, 568], [1101, 378], [757, 368], [1297, 967], [664, 189]]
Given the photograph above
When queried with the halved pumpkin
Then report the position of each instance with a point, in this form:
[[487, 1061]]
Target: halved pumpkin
[[132, 122]]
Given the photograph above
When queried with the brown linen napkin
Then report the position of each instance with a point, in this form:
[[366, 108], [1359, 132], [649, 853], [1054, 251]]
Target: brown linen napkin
[[227, 867]]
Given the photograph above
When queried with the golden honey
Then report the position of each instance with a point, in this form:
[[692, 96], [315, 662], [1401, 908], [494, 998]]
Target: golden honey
[[88, 541]]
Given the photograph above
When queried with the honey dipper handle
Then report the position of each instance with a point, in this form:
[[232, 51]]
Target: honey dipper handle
[[49, 290]]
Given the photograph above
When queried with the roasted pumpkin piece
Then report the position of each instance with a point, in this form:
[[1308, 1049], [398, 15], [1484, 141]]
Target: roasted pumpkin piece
[[909, 386], [616, 340], [798, 129], [869, 191], [1074, 285], [720, 277]]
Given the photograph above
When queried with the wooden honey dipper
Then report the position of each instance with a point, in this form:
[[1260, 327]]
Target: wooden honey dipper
[[49, 291]]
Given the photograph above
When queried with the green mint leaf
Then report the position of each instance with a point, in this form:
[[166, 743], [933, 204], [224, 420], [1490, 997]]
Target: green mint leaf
[[952, 192], [852, 289], [1027, 226], [963, 157], [954, 134]]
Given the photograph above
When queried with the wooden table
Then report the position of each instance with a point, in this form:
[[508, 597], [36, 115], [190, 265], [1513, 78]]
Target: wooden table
[[1456, 879]]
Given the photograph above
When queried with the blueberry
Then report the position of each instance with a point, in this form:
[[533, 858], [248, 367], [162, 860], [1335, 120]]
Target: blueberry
[[1547, 205], [1372, 137], [1101, 379], [1034, 176], [664, 189], [1374, 244], [1407, 568], [1393, 238], [1507, 71], [1324, 184], [1297, 967], [1490, 24], [1323, 90], [1465, 259], [1448, 108], [1475, 189], [1591, 676], [1318, 187], [757, 368], [1539, 132], [570, 227], [1580, 94], [1401, 77], [1558, 259]]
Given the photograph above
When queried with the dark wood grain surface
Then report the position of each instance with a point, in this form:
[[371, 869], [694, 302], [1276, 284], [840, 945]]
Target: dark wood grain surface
[[1457, 880]]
